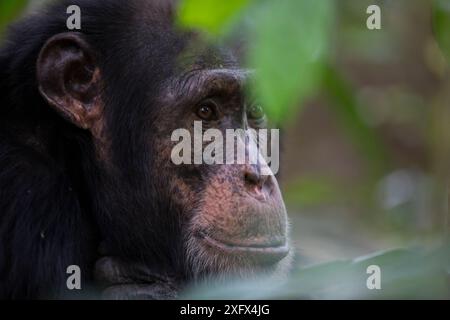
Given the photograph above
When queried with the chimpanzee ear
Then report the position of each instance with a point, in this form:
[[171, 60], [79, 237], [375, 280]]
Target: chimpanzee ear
[[70, 80]]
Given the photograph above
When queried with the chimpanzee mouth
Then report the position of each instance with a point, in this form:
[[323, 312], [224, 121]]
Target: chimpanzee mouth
[[262, 252]]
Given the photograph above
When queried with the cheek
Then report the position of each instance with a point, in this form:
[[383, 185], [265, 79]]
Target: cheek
[[167, 180], [219, 206]]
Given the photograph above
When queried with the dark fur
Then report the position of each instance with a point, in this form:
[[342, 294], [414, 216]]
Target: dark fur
[[50, 209]]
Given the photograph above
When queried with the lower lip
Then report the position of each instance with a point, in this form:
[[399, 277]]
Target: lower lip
[[261, 253]]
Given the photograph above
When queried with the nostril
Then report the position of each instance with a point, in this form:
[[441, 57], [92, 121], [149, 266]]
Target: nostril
[[254, 179], [251, 177]]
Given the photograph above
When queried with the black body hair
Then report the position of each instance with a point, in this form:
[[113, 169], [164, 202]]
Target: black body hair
[[50, 213]]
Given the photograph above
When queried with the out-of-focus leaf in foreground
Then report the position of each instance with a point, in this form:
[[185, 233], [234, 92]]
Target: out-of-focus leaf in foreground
[[9, 11], [441, 22], [405, 274], [288, 48], [209, 15], [288, 45]]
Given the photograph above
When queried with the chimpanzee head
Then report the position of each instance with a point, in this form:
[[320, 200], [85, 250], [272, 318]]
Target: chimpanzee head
[[123, 86]]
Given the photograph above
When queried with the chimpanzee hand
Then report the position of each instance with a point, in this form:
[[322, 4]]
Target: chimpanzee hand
[[124, 281]]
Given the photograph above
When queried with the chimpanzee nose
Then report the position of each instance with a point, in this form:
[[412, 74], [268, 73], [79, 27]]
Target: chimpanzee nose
[[258, 184]]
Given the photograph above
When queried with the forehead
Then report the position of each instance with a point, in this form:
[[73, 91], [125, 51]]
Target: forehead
[[203, 82], [202, 67], [199, 54]]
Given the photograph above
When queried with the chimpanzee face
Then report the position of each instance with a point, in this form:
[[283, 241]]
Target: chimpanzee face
[[207, 219], [235, 220]]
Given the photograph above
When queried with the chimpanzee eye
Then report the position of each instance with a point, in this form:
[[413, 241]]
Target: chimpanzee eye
[[255, 112], [207, 111]]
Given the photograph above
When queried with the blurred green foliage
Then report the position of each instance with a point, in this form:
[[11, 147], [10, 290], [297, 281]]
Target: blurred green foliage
[[289, 64], [441, 20], [345, 106], [405, 274], [289, 44], [212, 16], [9, 10], [310, 191]]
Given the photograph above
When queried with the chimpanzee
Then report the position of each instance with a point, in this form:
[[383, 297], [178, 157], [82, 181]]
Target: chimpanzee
[[86, 118]]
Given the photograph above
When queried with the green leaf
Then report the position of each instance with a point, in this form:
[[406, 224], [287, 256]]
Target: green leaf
[[441, 24], [209, 15], [289, 45]]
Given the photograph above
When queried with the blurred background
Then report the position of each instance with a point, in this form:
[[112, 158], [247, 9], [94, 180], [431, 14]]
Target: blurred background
[[367, 159], [364, 116]]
